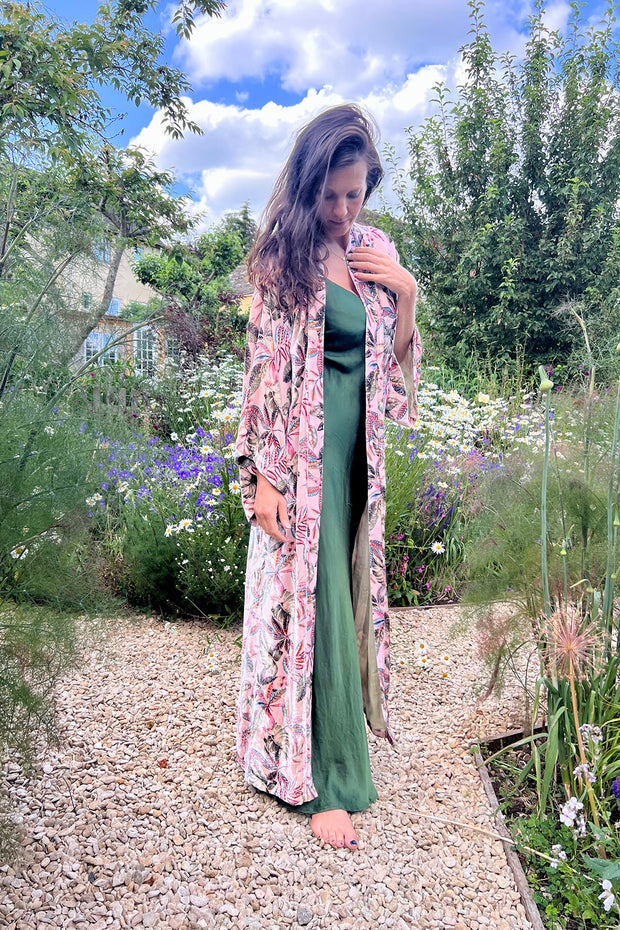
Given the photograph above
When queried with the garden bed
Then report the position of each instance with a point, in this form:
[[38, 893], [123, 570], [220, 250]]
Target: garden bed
[[543, 908]]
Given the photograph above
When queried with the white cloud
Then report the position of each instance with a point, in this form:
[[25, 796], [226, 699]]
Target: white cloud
[[242, 150], [352, 45], [386, 56]]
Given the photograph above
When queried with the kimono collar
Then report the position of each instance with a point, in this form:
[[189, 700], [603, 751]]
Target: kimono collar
[[359, 235]]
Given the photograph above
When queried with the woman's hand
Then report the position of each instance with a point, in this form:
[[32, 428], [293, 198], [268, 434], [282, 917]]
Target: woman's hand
[[372, 265], [269, 507]]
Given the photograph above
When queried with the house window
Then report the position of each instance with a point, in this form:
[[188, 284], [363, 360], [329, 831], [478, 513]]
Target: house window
[[173, 354], [87, 302], [92, 345], [145, 352], [115, 307], [103, 251], [111, 356]]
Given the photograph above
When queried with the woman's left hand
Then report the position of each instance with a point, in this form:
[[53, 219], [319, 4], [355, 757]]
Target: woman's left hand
[[379, 268]]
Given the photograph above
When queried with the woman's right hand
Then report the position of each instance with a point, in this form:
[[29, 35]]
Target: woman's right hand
[[269, 507]]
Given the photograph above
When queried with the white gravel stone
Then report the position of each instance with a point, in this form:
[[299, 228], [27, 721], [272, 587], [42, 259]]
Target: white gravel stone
[[141, 818]]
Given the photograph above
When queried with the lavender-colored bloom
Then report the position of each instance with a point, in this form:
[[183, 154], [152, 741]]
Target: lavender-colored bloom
[[569, 811]]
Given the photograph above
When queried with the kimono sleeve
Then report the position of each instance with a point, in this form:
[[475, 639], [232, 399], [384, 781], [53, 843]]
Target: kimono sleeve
[[404, 376], [265, 405]]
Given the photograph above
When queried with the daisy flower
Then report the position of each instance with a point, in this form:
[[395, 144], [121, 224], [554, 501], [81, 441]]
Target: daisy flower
[[420, 645], [19, 552], [437, 547], [423, 661], [446, 661]]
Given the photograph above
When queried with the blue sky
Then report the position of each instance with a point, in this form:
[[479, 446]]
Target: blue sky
[[267, 66]]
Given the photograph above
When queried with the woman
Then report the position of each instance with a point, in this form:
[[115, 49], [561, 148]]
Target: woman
[[332, 349]]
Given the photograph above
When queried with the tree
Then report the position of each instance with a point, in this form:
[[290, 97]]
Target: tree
[[196, 278], [510, 202], [50, 73], [135, 202], [243, 224]]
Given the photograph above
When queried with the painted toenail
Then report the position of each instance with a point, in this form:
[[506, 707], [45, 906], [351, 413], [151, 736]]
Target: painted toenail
[[353, 842]]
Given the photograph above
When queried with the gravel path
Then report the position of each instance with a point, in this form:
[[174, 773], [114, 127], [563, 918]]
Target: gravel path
[[141, 818]]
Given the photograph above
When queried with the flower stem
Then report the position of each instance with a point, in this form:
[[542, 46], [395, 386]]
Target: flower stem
[[582, 754]]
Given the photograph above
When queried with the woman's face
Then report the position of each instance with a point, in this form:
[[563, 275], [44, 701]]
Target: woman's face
[[342, 200]]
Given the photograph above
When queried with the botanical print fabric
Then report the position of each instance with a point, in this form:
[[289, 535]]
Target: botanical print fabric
[[281, 436]]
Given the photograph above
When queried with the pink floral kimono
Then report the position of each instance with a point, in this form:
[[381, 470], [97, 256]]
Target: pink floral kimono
[[281, 436]]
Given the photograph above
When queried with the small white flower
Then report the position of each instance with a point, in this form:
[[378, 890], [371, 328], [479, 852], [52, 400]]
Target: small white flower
[[446, 662], [235, 487], [49, 430], [592, 733], [607, 896], [438, 548], [584, 772], [174, 436], [170, 529], [423, 661], [569, 812], [19, 552], [420, 645]]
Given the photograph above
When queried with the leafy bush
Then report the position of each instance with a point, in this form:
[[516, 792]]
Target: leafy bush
[[170, 513], [430, 476]]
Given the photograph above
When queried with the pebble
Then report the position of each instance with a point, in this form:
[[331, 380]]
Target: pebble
[[304, 916], [113, 838]]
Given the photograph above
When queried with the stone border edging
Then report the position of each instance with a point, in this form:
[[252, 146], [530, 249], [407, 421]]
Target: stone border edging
[[527, 899]]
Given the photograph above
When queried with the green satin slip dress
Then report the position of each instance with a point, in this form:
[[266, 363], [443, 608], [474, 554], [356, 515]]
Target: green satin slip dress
[[340, 762]]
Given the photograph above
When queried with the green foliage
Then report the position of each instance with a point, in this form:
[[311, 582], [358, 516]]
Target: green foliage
[[196, 275], [510, 206], [204, 318], [423, 531], [503, 549], [133, 197], [50, 73], [563, 893], [242, 224], [171, 520]]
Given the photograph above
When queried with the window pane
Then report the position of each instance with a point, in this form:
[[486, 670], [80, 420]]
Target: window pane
[[91, 346], [145, 352], [111, 356]]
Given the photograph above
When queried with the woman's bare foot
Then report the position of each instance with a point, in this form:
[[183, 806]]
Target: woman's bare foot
[[334, 828]]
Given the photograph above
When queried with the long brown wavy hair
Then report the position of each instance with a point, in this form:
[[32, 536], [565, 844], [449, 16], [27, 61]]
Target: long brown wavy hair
[[290, 248]]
